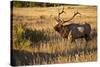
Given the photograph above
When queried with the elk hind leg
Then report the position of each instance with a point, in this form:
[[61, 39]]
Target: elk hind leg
[[87, 37]]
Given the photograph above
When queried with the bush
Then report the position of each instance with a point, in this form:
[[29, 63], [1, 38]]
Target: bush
[[35, 35], [19, 41], [23, 38]]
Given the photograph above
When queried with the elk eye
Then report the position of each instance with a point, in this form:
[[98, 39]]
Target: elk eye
[[61, 26]]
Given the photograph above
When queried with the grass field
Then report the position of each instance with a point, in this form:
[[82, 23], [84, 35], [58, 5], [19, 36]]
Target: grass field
[[34, 40]]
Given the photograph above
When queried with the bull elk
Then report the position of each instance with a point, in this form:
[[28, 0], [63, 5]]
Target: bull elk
[[72, 30]]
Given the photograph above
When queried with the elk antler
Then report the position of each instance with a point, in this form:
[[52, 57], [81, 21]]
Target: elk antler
[[72, 17], [58, 19]]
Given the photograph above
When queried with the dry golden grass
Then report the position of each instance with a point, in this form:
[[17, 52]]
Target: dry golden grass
[[44, 44]]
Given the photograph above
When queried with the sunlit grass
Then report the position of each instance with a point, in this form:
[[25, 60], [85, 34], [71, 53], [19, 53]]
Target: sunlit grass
[[36, 42]]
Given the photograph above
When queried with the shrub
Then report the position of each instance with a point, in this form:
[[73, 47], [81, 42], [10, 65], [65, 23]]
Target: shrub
[[19, 41]]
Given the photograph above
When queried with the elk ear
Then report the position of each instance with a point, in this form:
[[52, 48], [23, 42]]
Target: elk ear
[[56, 22]]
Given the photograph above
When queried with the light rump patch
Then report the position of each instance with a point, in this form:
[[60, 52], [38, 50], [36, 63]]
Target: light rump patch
[[81, 29]]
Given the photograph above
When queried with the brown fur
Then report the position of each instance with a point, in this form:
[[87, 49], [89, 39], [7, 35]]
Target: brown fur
[[64, 30], [75, 30]]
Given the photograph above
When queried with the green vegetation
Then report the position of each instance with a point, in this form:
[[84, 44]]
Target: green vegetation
[[19, 40], [36, 4], [33, 4]]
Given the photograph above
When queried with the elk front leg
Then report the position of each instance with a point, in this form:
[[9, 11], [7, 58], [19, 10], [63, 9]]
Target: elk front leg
[[70, 39]]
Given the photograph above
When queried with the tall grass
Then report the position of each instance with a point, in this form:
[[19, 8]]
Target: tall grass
[[46, 47], [38, 43]]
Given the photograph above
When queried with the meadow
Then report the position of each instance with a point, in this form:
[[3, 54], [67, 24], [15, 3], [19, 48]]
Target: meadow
[[35, 42]]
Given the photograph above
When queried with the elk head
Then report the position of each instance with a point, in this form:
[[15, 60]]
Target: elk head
[[60, 28]]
